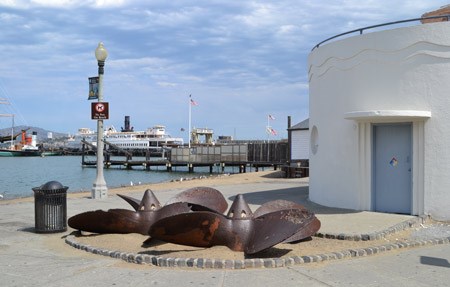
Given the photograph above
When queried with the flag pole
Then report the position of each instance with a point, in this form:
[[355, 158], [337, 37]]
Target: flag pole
[[268, 137], [189, 130]]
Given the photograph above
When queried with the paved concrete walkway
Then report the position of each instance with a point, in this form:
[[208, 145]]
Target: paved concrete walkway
[[30, 259]]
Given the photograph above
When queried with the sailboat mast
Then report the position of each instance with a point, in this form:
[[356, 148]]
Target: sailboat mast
[[4, 101], [12, 132]]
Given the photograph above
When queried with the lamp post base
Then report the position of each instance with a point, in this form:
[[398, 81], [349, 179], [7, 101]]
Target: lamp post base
[[99, 191]]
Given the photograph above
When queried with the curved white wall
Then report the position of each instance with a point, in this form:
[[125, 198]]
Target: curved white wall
[[398, 75]]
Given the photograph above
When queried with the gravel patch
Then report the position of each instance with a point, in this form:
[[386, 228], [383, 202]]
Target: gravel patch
[[433, 231]]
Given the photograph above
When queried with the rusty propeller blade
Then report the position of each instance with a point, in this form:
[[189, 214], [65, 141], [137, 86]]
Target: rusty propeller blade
[[111, 221], [239, 230], [310, 227], [275, 227], [124, 221], [276, 205], [204, 196]]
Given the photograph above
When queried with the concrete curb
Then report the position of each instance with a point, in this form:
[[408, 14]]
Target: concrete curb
[[206, 263]]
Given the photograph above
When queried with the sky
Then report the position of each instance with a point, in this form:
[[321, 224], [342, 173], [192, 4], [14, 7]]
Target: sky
[[241, 61]]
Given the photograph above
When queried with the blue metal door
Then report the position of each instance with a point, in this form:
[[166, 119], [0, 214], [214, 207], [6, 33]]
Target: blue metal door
[[392, 168]]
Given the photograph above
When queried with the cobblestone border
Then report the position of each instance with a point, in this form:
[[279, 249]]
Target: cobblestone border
[[376, 235], [205, 263]]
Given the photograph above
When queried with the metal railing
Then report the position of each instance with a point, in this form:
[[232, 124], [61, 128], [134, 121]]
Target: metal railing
[[360, 30]]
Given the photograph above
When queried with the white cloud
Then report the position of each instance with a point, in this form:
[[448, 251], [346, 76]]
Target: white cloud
[[9, 17], [64, 4], [260, 15], [167, 84], [240, 58]]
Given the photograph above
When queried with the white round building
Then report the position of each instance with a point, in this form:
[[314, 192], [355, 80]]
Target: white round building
[[380, 121]]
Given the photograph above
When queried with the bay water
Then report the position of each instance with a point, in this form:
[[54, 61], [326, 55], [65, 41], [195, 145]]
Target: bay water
[[20, 174]]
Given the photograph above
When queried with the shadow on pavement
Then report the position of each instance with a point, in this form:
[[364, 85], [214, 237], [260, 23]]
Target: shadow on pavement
[[296, 194], [425, 260]]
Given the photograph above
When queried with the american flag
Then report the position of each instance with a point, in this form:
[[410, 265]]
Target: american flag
[[271, 117], [271, 131], [194, 103]]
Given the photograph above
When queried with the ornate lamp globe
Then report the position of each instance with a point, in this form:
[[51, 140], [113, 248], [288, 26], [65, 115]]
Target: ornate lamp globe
[[100, 53]]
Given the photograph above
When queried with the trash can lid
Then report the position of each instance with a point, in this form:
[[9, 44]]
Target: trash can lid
[[51, 185]]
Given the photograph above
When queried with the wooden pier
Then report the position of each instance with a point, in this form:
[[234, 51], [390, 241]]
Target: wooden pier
[[169, 166], [242, 156]]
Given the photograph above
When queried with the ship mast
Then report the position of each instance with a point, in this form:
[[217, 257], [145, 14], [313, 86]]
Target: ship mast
[[4, 101]]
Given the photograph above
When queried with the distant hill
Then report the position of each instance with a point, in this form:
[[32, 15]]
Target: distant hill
[[42, 134]]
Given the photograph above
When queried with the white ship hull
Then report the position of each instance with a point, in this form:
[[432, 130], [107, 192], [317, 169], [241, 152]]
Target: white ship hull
[[154, 139]]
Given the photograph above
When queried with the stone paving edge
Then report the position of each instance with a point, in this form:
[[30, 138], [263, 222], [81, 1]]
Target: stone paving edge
[[376, 235], [206, 263]]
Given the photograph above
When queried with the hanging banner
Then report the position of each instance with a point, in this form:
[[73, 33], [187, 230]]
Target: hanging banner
[[100, 111], [93, 88]]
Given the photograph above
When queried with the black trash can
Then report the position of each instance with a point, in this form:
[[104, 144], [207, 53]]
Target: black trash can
[[50, 207]]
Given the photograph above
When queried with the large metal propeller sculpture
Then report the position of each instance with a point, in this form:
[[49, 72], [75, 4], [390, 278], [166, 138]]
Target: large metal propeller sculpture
[[195, 218], [240, 229], [147, 211]]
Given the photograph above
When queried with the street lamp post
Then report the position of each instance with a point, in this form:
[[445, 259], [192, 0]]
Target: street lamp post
[[99, 188]]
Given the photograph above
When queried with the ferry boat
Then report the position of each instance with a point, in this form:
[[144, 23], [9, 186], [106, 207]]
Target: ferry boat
[[154, 139]]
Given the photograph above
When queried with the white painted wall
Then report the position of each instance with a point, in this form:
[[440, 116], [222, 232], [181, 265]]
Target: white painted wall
[[398, 75], [300, 144]]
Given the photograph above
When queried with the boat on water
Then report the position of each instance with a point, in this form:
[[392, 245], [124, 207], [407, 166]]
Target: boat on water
[[26, 147], [154, 139], [14, 153], [8, 144]]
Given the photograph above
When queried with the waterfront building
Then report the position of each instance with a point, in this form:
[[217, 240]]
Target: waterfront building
[[379, 121], [298, 137]]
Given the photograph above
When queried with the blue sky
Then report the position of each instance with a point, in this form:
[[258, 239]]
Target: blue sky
[[240, 60]]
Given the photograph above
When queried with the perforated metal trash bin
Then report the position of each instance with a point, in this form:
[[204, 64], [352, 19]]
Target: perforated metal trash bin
[[50, 207]]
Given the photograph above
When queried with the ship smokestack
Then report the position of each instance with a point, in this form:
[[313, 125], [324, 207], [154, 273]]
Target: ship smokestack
[[34, 139], [23, 137], [127, 123], [127, 127]]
